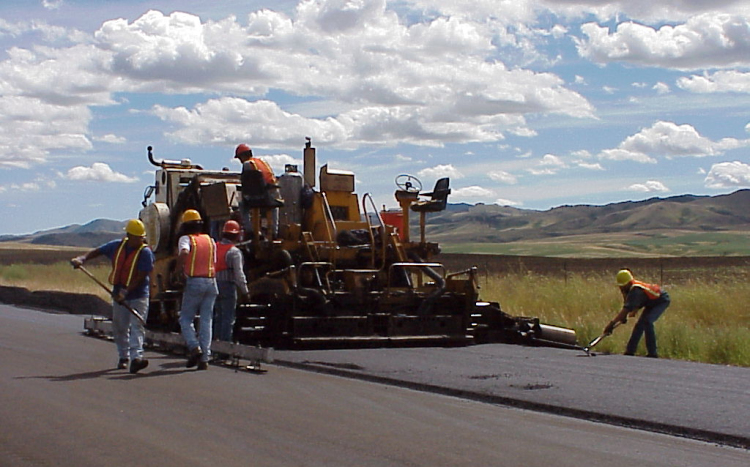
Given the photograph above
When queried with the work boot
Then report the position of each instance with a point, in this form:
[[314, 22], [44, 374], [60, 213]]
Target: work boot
[[138, 364], [193, 356], [122, 364], [202, 365]]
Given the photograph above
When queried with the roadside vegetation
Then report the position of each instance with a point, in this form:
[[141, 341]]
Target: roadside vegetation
[[708, 320]]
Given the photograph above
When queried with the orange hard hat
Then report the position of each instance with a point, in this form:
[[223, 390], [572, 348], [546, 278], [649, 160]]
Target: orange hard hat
[[242, 149], [231, 227]]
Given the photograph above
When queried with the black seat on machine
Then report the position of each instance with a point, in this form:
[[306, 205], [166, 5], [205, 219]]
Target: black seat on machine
[[256, 193], [438, 198]]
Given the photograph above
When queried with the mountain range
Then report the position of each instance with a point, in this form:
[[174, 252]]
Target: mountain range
[[461, 225]]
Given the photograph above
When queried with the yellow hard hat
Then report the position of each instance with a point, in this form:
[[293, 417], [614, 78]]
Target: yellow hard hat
[[191, 215], [624, 277], [135, 228]]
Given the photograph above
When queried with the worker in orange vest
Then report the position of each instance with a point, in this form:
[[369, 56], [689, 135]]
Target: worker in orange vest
[[230, 277], [196, 260], [244, 154], [132, 262], [637, 295]]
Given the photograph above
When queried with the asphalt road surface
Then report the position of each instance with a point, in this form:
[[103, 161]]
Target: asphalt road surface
[[63, 404]]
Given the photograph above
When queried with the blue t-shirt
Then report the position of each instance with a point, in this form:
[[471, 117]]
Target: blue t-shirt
[[145, 264]]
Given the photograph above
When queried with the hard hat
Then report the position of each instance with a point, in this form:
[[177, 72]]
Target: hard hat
[[242, 149], [231, 227], [135, 228], [191, 215], [624, 277]]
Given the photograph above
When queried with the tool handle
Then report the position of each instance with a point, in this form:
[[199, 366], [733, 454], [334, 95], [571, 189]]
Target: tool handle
[[109, 291]]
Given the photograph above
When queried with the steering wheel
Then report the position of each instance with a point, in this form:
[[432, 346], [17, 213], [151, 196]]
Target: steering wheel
[[408, 183]]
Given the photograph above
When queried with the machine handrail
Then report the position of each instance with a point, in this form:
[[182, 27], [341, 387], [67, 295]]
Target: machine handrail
[[383, 238]]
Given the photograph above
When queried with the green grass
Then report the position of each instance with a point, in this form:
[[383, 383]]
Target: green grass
[[59, 276], [706, 321], [624, 245]]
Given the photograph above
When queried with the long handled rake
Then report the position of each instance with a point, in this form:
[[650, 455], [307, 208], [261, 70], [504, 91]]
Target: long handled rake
[[109, 291]]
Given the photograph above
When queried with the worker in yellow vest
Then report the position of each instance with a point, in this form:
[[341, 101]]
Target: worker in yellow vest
[[196, 258], [132, 262], [637, 295]]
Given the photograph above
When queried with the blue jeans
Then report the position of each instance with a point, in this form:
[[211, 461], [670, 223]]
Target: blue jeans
[[224, 310], [127, 331], [198, 298], [645, 325]]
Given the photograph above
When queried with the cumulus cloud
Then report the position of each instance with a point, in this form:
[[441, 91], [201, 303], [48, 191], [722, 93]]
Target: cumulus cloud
[[650, 186], [472, 193], [728, 175], [550, 164], [98, 172], [507, 202], [661, 88], [503, 177], [111, 139], [429, 82], [440, 171], [669, 140], [720, 81], [710, 40]]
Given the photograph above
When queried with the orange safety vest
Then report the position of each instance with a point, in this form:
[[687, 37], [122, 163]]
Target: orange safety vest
[[652, 291], [123, 265], [264, 168], [221, 256], [200, 261]]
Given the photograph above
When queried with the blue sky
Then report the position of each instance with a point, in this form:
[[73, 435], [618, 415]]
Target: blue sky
[[528, 103]]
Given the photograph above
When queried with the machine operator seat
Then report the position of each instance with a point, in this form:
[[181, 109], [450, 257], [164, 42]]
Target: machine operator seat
[[256, 193], [438, 198]]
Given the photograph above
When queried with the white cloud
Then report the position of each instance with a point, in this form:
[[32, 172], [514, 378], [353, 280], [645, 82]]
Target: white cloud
[[440, 171], [98, 172], [650, 186], [507, 202], [728, 175], [661, 88], [669, 140], [710, 40], [111, 139], [548, 165], [472, 193], [720, 81], [503, 177], [590, 166], [52, 4]]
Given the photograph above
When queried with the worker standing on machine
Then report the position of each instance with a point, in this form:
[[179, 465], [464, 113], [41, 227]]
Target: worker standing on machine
[[230, 277], [245, 155], [196, 259], [637, 295], [132, 262]]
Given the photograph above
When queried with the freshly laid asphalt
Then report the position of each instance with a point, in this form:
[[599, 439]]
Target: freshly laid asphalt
[[707, 402], [692, 400]]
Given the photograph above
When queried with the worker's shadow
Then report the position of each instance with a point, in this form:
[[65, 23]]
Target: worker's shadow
[[164, 369]]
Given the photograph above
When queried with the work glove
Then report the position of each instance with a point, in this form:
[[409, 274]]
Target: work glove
[[119, 297], [77, 262]]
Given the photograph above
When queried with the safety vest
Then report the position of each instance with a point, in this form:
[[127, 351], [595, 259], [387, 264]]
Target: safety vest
[[652, 291], [200, 261], [221, 256], [124, 264], [264, 168]]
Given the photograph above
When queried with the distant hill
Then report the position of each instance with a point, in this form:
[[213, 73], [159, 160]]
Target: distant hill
[[500, 224], [90, 235], [640, 227]]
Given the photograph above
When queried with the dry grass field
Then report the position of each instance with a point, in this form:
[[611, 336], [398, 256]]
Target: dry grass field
[[708, 321]]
